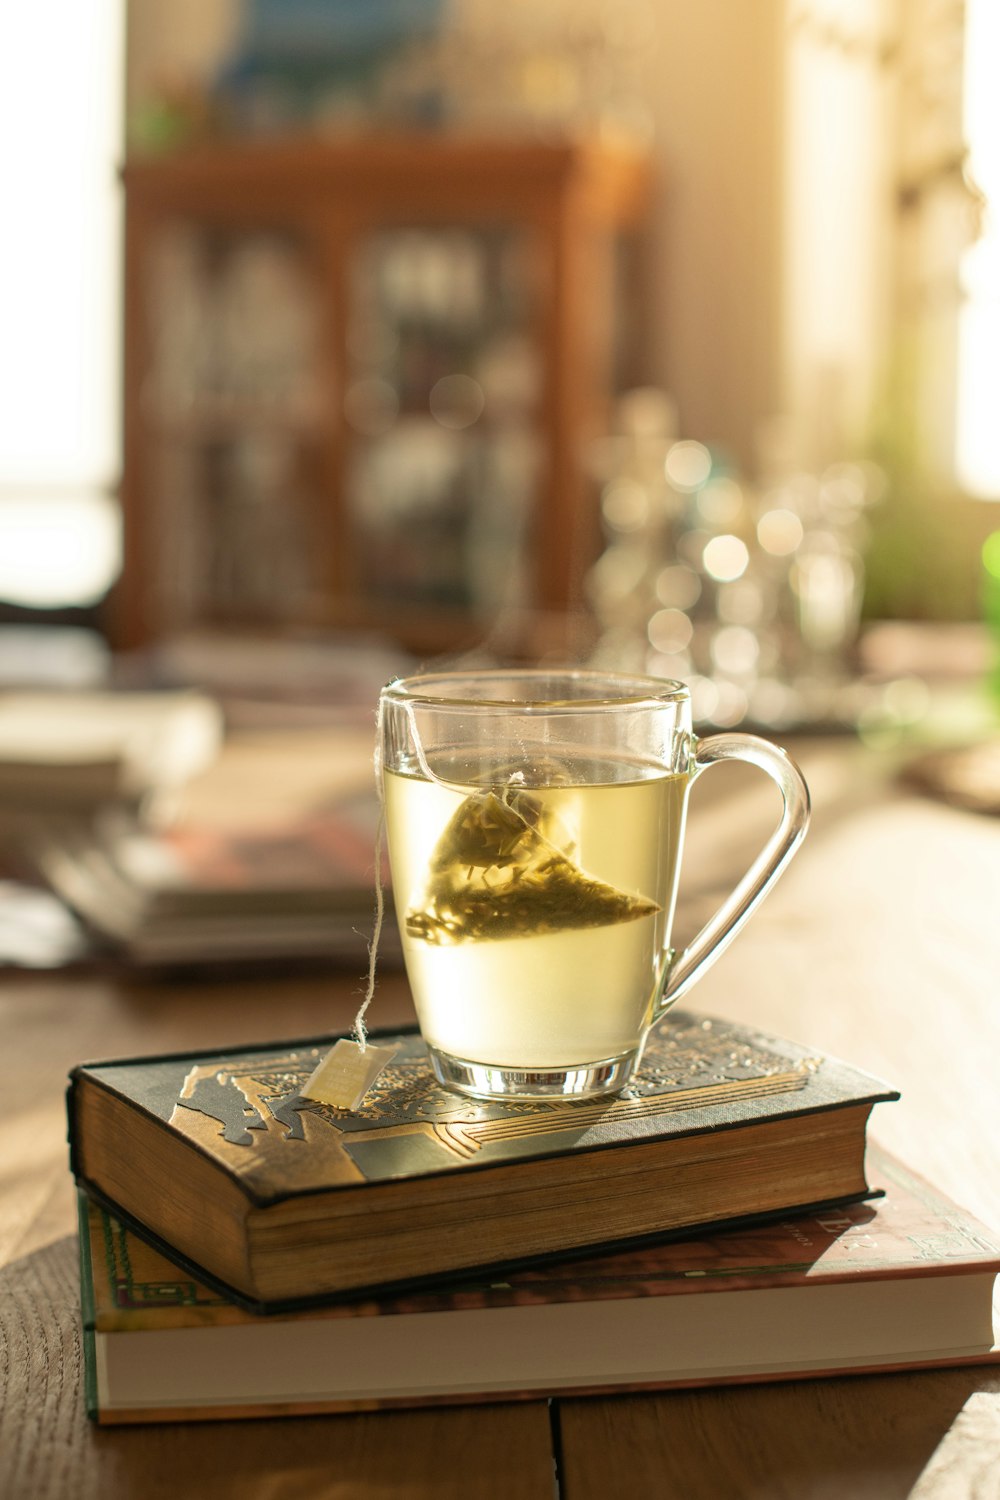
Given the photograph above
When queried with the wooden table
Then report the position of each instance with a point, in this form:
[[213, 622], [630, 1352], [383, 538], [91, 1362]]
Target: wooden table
[[881, 945]]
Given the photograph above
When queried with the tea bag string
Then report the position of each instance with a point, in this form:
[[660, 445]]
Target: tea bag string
[[359, 1029], [516, 780]]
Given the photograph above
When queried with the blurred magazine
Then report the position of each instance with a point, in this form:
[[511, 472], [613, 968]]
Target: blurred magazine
[[200, 893]]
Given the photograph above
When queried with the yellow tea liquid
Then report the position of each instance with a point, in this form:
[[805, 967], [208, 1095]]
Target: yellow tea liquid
[[535, 917]]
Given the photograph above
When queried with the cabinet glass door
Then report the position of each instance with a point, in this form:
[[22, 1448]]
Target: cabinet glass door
[[442, 410], [233, 410]]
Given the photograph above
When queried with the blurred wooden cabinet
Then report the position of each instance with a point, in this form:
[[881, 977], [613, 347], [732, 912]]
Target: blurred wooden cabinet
[[360, 379]]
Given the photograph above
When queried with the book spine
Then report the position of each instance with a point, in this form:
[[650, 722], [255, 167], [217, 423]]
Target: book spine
[[71, 1089], [87, 1312]]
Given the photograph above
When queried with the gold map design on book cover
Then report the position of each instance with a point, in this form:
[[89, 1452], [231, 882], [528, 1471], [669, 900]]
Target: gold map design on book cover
[[251, 1115]]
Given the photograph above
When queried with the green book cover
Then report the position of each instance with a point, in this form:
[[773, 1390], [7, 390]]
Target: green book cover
[[910, 1277], [243, 1106]]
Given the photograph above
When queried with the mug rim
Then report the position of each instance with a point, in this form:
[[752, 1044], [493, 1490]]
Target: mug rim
[[636, 690]]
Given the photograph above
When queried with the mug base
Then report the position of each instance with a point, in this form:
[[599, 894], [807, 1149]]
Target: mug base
[[490, 1081]]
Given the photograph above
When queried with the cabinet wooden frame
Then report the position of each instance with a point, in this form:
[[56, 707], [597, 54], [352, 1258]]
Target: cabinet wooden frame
[[575, 199]]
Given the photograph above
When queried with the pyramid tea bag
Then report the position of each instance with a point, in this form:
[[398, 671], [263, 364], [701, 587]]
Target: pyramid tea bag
[[503, 868]]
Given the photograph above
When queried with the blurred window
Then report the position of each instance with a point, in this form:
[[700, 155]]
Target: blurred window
[[61, 90], [949, 236], [977, 451]]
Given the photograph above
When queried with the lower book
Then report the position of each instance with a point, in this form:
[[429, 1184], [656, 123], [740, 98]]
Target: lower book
[[904, 1282]]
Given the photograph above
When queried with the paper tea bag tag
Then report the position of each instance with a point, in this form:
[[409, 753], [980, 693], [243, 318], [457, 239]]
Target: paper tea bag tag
[[346, 1073], [502, 869]]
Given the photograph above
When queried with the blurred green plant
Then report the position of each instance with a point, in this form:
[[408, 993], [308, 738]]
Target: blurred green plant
[[923, 561]]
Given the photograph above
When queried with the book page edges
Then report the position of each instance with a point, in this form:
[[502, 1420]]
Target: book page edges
[[767, 1333], [427, 1240]]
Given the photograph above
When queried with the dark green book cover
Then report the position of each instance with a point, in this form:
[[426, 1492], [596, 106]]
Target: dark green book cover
[[242, 1111]]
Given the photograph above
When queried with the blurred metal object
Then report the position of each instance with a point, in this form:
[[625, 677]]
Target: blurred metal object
[[750, 592]]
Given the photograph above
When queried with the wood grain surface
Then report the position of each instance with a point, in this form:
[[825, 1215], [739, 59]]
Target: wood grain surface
[[935, 1436], [881, 945]]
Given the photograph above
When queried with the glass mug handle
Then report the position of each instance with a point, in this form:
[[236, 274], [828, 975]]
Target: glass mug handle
[[682, 971]]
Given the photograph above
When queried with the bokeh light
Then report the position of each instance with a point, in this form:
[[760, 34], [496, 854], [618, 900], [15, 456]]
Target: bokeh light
[[617, 573], [731, 705], [457, 401], [625, 506], [678, 587], [735, 650], [670, 630], [780, 532], [725, 558], [991, 555], [688, 465]]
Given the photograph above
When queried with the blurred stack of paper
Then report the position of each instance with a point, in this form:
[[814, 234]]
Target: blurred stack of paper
[[66, 750], [201, 894], [177, 845]]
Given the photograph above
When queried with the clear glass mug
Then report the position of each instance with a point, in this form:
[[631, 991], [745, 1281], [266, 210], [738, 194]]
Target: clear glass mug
[[535, 824]]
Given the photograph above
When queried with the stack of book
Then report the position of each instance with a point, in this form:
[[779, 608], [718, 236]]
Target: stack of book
[[191, 893], [246, 1251], [72, 752], [264, 853]]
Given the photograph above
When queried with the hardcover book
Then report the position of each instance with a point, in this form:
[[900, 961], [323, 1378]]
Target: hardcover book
[[278, 1199], [903, 1282]]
